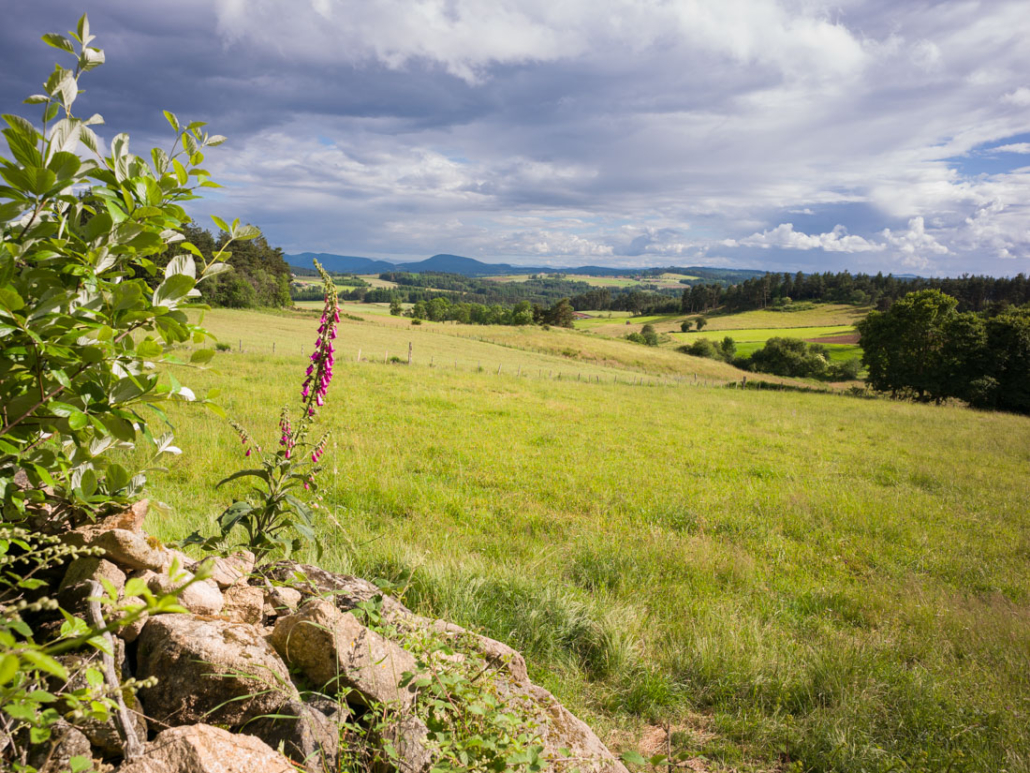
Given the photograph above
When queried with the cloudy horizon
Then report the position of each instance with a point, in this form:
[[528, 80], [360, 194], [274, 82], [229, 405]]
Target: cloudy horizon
[[773, 134]]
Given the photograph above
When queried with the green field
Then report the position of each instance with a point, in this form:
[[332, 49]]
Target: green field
[[823, 315], [800, 582], [826, 315], [528, 351]]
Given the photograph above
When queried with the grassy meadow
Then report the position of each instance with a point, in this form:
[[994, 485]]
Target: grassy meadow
[[527, 351], [794, 582]]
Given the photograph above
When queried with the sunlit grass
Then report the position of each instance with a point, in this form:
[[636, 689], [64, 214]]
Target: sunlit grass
[[832, 581]]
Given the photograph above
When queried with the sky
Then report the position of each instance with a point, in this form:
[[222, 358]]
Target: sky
[[869, 135]]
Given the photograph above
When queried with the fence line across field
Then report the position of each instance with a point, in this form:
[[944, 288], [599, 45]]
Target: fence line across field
[[629, 378]]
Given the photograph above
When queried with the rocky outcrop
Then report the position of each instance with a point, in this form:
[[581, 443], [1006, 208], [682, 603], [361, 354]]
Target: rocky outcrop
[[335, 650], [205, 749], [228, 662], [209, 670]]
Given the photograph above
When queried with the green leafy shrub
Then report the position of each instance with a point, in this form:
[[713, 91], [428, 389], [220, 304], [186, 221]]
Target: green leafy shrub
[[789, 357], [94, 288], [95, 280]]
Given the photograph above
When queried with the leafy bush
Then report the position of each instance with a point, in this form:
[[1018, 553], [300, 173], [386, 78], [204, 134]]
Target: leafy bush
[[702, 347], [649, 335], [95, 280], [924, 348], [790, 357], [93, 292], [705, 347]]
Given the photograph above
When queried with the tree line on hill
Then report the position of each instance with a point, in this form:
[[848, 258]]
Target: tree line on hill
[[442, 309], [539, 289], [781, 291], [927, 348], [259, 276]]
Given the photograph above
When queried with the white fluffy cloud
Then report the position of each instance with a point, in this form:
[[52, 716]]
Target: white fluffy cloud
[[466, 37], [785, 237]]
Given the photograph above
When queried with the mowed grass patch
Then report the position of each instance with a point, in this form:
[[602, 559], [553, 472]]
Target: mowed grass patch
[[839, 583], [822, 315]]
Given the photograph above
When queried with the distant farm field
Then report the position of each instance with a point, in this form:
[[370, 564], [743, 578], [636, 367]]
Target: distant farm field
[[794, 582], [664, 280]]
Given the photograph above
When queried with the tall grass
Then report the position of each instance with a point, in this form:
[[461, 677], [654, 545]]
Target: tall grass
[[836, 584]]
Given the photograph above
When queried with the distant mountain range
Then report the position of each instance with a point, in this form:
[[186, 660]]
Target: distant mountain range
[[456, 264]]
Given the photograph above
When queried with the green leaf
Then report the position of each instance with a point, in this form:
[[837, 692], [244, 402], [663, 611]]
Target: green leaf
[[173, 289], [45, 663], [233, 515], [181, 264], [8, 668], [59, 41], [258, 473], [221, 224], [149, 348], [180, 172], [172, 120], [201, 356], [64, 165], [215, 140], [246, 232], [76, 421], [91, 58], [22, 126], [633, 758], [135, 586], [83, 29], [11, 301], [117, 477], [25, 151], [88, 484], [97, 226]]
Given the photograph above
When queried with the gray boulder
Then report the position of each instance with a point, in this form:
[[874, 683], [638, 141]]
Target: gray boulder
[[407, 735], [243, 604], [334, 650], [209, 670], [206, 749], [305, 735]]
